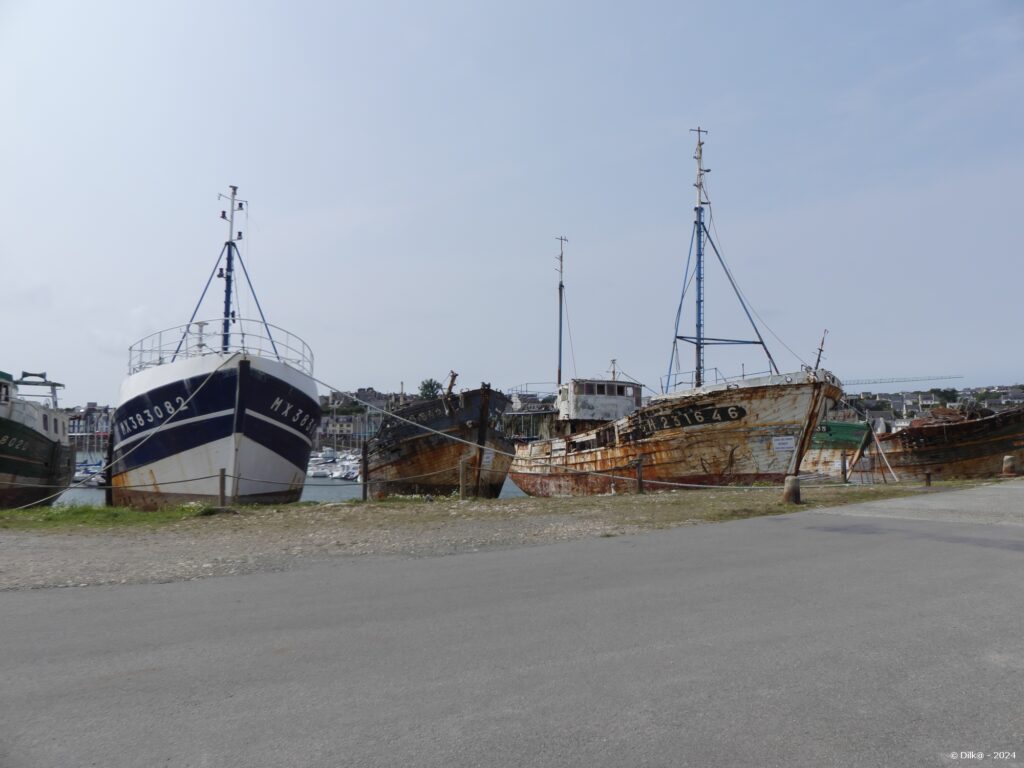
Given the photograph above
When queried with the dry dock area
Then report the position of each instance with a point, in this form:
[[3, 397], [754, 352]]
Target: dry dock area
[[826, 637]]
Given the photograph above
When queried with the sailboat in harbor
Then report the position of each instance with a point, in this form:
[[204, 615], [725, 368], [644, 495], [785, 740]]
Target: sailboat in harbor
[[734, 431], [205, 414]]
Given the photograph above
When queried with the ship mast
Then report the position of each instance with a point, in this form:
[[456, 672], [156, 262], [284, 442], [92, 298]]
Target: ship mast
[[561, 301], [229, 262], [699, 239], [698, 233], [229, 253]]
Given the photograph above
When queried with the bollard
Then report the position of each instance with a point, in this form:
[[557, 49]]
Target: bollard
[[1009, 466], [842, 465], [462, 479], [927, 479], [364, 469], [221, 483], [791, 490], [640, 474]]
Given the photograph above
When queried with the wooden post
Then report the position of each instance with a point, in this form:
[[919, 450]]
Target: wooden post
[[221, 483], [842, 464], [791, 490], [640, 474], [462, 479], [927, 479], [108, 490], [364, 469]]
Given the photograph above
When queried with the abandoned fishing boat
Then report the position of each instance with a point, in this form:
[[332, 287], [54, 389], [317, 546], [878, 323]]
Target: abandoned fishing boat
[[436, 446], [578, 404], [210, 414], [733, 431], [36, 457], [948, 443]]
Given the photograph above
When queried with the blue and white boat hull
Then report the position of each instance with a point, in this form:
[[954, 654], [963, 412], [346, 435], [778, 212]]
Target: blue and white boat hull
[[178, 424]]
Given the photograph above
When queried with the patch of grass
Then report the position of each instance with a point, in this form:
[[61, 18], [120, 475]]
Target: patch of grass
[[619, 512], [84, 515]]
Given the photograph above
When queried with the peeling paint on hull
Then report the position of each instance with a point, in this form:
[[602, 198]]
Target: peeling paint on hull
[[756, 430], [973, 448], [405, 459]]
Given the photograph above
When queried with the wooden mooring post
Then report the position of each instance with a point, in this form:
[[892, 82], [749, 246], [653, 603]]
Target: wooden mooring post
[[364, 469], [221, 486], [640, 474]]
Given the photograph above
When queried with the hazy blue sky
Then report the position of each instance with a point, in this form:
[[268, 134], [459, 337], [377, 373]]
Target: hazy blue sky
[[409, 164]]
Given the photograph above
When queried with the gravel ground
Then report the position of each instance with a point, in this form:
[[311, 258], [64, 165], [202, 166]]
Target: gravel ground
[[267, 538], [249, 540]]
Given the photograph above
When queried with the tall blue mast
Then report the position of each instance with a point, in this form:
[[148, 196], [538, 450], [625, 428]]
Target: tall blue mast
[[700, 238], [698, 235]]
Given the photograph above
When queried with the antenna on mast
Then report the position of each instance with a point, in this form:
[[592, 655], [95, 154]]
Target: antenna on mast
[[562, 240], [231, 251]]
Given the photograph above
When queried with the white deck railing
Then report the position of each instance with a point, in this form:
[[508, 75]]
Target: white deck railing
[[204, 337]]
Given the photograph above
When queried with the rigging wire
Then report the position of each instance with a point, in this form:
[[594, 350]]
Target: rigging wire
[[568, 327], [711, 217]]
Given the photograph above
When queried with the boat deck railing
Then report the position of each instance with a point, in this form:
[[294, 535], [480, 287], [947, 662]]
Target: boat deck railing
[[686, 379], [204, 337]]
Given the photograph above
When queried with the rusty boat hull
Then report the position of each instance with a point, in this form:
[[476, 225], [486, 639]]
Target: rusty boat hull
[[413, 453], [946, 449], [750, 431]]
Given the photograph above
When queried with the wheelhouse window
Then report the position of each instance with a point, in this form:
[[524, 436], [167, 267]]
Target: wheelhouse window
[[46, 423]]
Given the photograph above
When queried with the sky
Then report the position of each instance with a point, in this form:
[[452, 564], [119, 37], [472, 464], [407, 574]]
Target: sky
[[409, 166]]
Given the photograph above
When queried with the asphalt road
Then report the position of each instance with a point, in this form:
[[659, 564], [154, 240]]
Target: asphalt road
[[887, 634]]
